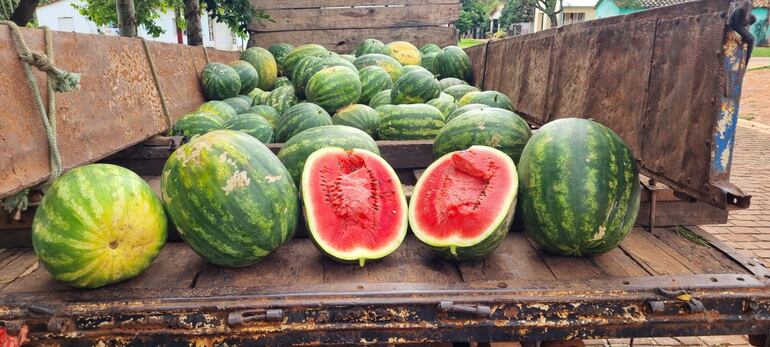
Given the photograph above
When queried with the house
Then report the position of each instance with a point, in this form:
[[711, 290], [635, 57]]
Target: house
[[62, 16], [575, 11], [609, 8]]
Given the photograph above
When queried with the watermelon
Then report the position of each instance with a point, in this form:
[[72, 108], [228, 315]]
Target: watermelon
[[294, 152], [358, 116], [218, 108], [410, 68], [458, 91], [282, 98], [415, 87], [428, 61], [348, 57], [392, 66], [404, 52], [298, 118], [220, 81], [451, 81], [238, 104], [374, 79], [252, 124], [266, 112], [300, 52], [247, 73], [493, 127], [369, 46], [489, 98], [98, 224], [264, 62], [379, 99], [444, 103], [230, 198], [308, 67], [258, 96], [334, 87], [579, 188], [354, 205], [282, 82], [463, 204], [464, 109], [453, 62], [279, 52], [193, 124], [409, 122], [429, 48]]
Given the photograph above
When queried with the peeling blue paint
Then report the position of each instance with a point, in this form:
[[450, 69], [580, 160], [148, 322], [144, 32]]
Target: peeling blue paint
[[724, 132]]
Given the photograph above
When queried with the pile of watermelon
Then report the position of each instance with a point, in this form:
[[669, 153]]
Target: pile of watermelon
[[234, 202]]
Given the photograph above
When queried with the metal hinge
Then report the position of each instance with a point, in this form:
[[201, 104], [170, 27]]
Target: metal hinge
[[694, 305], [478, 310], [240, 317]]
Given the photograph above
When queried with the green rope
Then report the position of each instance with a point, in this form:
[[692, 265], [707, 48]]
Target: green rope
[[58, 81]]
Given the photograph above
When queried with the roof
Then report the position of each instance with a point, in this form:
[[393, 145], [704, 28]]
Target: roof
[[647, 3]]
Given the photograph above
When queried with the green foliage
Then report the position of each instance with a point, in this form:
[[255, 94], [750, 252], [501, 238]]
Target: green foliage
[[628, 3], [516, 11], [475, 13], [465, 43], [235, 13]]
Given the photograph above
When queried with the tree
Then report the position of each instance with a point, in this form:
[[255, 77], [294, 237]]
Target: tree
[[105, 12], [475, 13], [126, 17], [192, 15], [516, 11], [550, 8], [19, 12]]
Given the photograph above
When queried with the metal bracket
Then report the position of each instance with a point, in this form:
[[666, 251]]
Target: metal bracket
[[241, 317], [651, 186], [478, 310], [694, 305]]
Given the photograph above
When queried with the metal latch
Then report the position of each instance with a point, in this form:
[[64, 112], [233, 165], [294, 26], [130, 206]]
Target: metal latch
[[240, 317], [478, 310], [694, 305]]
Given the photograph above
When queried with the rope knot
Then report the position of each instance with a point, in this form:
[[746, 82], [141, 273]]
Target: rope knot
[[62, 81]]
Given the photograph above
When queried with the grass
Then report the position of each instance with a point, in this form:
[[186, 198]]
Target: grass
[[761, 52], [465, 43]]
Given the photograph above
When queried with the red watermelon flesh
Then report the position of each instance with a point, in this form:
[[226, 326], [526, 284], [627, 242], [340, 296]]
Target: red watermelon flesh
[[354, 205], [464, 197]]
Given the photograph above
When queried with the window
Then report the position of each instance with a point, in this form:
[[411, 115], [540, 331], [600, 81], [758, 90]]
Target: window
[[66, 24], [574, 17], [211, 29]]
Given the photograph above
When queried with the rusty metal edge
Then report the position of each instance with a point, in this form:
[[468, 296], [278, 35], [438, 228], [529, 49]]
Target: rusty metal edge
[[753, 265]]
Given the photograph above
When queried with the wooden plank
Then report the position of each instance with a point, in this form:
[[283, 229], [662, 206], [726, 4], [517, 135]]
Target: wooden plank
[[18, 267], [678, 212], [412, 262], [514, 259], [282, 4], [346, 40], [358, 18], [407, 154], [180, 82], [569, 268], [295, 263], [709, 259], [616, 263], [478, 55], [653, 255]]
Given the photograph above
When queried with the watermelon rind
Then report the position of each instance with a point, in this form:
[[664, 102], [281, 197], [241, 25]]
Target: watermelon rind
[[265, 64], [248, 75], [220, 81]]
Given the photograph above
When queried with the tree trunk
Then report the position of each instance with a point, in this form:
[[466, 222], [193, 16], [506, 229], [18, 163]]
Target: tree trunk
[[126, 17], [554, 19], [192, 15], [24, 12]]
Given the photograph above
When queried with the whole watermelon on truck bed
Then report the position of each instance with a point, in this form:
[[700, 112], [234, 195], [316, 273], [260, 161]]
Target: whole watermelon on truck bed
[[264, 62], [392, 66], [579, 188], [490, 98], [354, 205], [374, 79], [334, 87], [409, 122], [414, 87], [220, 81], [493, 127], [300, 117], [217, 108], [369, 46], [453, 62], [294, 57], [194, 124], [279, 52], [252, 124], [358, 116], [463, 204], [247, 74], [404, 52], [229, 197], [98, 224]]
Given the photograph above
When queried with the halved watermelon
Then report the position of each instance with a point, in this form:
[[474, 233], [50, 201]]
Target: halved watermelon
[[354, 206], [463, 203]]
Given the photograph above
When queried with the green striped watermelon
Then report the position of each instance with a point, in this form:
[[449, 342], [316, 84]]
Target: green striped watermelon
[[264, 62], [298, 118], [379, 99], [258, 96], [374, 79], [295, 152], [415, 87], [247, 74], [444, 103], [238, 104], [300, 52], [463, 204], [348, 57], [458, 91], [410, 68], [282, 98], [98, 224], [493, 127], [429, 62], [279, 52], [429, 48], [358, 116], [266, 112], [282, 82], [409, 122], [230, 198], [404, 52], [451, 81], [309, 66], [193, 124], [218, 108], [220, 81], [579, 187], [489, 98], [464, 109], [453, 62], [369, 46], [354, 204], [334, 87], [252, 124], [392, 66]]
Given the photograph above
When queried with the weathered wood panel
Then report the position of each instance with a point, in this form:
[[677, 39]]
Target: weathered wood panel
[[117, 106], [346, 40], [477, 55], [282, 4]]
